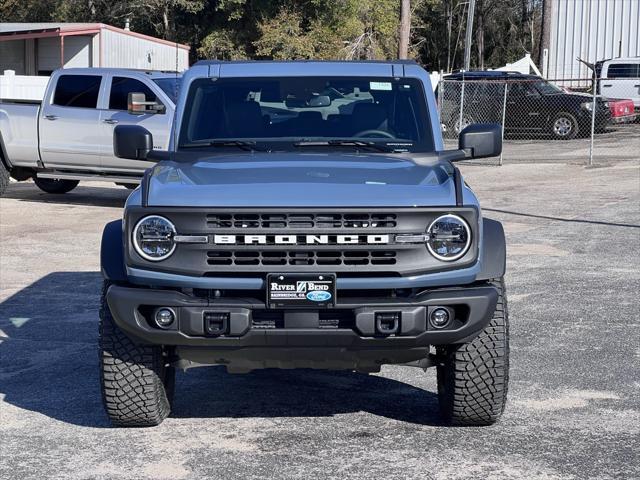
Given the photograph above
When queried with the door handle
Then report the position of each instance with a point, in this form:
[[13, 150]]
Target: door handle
[[636, 86], [110, 121], [51, 117], [607, 85]]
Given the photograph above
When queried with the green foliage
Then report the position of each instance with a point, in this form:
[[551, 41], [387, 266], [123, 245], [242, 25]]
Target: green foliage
[[323, 29]]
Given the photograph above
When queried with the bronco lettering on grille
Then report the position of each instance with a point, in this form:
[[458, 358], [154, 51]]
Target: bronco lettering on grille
[[301, 239]]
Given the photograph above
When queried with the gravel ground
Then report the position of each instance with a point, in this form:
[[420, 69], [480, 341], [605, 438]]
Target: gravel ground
[[574, 401]]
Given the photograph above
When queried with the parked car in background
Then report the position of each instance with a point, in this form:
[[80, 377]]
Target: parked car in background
[[622, 110], [619, 78], [68, 136], [533, 105]]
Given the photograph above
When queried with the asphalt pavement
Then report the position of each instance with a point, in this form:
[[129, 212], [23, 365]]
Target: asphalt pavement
[[574, 400]]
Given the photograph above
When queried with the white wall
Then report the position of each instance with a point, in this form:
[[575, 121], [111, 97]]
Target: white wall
[[592, 30], [120, 50], [22, 87]]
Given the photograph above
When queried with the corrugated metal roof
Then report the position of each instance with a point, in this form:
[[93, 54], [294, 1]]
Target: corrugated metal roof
[[28, 27], [31, 30]]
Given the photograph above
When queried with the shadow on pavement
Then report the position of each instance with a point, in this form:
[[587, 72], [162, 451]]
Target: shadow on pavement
[[89, 196], [49, 365]]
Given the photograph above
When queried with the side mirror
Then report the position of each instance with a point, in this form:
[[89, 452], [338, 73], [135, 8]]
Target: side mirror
[[132, 141], [481, 140], [137, 104]]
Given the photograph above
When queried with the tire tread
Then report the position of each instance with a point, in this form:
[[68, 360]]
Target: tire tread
[[132, 376]]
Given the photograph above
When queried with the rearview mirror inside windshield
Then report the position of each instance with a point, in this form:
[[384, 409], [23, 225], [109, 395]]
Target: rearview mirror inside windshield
[[312, 102]]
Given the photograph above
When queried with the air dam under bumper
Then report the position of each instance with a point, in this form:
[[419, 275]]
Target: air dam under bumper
[[298, 338]]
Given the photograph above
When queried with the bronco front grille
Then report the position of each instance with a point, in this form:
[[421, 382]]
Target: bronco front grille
[[242, 242], [288, 221], [301, 257]]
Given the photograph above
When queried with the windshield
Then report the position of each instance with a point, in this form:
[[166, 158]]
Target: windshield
[[170, 86], [286, 113], [547, 88]]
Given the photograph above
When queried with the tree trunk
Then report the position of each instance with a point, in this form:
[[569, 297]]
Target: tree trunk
[[480, 39], [405, 29]]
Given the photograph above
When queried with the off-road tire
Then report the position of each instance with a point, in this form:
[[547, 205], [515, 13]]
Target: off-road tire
[[137, 386], [473, 377], [55, 185], [4, 178]]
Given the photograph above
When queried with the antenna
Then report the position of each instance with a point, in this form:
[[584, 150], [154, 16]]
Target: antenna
[[175, 109]]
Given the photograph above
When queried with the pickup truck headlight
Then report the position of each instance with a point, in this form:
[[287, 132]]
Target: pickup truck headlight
[[449, 238], [153, 238]]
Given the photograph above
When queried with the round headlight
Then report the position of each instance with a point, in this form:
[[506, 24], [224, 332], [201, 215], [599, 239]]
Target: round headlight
[[449, 238], [153, 238]]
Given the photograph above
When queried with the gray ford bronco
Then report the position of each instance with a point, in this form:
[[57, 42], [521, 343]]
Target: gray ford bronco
[[305, 215]]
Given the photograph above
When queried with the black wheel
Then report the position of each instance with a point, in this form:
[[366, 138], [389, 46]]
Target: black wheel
[[137, 385], [4, 178], [55, 185], [473, 378], [564, 126]]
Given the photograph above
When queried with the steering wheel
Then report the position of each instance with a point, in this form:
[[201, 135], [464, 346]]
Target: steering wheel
[[374, 134]]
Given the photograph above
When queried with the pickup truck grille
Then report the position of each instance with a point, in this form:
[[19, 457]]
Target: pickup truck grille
[[292, 221], [301, 258]]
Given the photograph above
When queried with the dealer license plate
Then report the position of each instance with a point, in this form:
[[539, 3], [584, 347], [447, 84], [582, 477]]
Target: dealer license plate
[[301, 290]]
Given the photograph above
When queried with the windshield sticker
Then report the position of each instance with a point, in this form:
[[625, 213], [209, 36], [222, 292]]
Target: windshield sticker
[[380, 85]]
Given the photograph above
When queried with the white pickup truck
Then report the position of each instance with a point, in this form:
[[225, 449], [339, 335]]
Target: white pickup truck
[[68, 137]]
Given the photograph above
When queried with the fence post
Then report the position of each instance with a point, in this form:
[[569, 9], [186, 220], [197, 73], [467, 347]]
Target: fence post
[[593, 119], [461, 106], [504, 114]]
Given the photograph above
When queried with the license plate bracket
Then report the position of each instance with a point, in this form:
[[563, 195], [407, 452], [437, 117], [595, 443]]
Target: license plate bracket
[[301, 290]]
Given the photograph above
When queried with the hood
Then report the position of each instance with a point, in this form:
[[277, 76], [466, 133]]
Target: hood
[[300, 180]]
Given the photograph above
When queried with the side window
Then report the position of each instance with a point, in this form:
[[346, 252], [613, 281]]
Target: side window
[[77, 91], [120, 89], [623, 70]]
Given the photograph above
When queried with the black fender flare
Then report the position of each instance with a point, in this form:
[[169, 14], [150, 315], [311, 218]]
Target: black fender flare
[[494, 250], [112, 253]]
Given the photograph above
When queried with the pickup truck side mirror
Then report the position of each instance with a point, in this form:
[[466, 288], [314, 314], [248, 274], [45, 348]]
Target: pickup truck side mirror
[[481, 140], [132, 141], [137, 104]]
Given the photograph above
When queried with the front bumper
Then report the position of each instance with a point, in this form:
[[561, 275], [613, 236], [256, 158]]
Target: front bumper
[[299, 338]]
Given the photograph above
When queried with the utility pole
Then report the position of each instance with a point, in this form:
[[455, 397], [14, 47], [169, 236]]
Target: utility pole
[[467, 43], [545, 31], [405, 29]]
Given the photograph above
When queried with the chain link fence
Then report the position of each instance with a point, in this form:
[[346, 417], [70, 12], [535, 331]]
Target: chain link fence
[[545, 120]]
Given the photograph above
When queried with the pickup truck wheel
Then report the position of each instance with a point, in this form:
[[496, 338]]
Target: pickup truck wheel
[[4, 178], [55, 185], [137, 385], [473, 377]]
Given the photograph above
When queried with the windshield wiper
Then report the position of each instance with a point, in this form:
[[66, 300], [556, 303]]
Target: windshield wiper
[[346, 143], [241, 144]]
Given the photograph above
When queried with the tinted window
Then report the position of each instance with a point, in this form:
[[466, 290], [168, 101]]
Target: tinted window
[[77, 91], [623, 70], [288, 110], [120, 89], [170, 86]]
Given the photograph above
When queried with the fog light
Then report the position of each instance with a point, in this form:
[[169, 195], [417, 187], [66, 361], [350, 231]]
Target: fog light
[[439, 317], [164, 317]]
